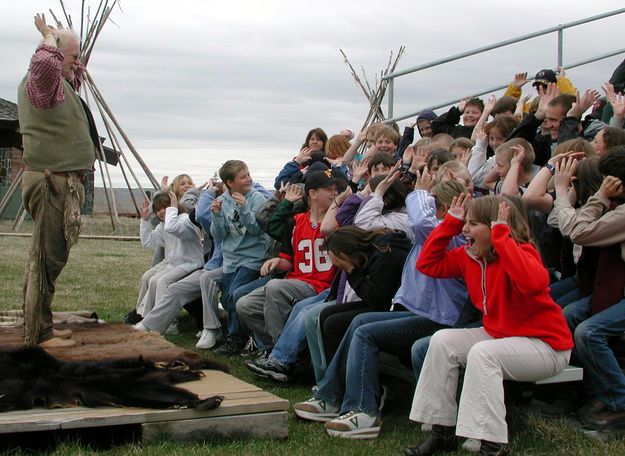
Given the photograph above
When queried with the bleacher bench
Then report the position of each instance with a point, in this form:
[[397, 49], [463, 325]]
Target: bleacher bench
[[390, 365]]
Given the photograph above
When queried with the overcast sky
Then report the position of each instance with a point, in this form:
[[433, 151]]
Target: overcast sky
[[195, 83]]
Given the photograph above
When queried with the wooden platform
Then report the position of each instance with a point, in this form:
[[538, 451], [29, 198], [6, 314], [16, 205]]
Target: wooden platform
[[247, 411]]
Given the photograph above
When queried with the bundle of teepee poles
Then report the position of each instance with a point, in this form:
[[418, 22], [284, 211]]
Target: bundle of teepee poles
[[375, 95], [90, 28]]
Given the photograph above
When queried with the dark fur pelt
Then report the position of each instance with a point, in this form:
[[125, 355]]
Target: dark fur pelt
[[30, 377]]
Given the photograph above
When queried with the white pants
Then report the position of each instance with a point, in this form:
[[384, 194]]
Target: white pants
[[157, 285], [488, 361], [145, 282], [200, 283]]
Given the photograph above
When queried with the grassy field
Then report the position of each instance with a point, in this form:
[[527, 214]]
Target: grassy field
[[103, 276]]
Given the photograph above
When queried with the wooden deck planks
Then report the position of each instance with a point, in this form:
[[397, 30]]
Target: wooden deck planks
[[242, 402]]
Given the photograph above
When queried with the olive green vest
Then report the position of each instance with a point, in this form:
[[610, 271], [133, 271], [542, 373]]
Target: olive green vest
[[57, 139]]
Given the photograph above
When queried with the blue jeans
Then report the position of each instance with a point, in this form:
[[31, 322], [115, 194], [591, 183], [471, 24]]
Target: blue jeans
[[591, 335], [242, 291], [230, 282], [351, 379], [418, 351], [314, 340], [248, 288], [565, 291], [292, 339]]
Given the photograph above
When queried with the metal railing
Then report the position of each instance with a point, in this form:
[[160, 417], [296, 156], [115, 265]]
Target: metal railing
[[558, 28]]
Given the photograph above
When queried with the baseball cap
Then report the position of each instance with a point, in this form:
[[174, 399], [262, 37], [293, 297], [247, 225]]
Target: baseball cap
[[319, 179], [545, 77]]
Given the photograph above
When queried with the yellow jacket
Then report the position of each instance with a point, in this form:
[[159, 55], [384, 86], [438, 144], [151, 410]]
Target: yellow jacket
[[564, 85]]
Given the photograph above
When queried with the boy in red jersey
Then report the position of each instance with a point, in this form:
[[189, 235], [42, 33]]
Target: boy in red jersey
[[266, 309]]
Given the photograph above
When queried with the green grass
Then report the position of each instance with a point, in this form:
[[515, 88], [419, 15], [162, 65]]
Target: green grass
[[103, 276]]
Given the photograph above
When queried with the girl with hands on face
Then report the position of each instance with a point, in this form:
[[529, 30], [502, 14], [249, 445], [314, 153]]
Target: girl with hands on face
[[524, 336]]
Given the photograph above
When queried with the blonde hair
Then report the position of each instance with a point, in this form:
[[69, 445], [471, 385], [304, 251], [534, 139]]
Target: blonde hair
[[388, 133], [454, 166], [505, 150], [175, 183], [575, 145], [373, 130], [442, 140], [463, 143], [445, 192]]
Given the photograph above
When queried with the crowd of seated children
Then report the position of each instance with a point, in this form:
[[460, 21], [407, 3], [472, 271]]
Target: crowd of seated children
[[598, 315], [347, 212]]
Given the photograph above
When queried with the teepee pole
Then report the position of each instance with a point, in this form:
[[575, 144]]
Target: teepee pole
[[132, 149], [104, 170], [8, 196]]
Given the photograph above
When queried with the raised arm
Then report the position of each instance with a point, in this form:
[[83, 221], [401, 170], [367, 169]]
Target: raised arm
[[435, 260], [510, 184], [488, 108]]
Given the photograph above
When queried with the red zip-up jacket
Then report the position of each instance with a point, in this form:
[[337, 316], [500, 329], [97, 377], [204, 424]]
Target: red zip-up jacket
[[511, 289]]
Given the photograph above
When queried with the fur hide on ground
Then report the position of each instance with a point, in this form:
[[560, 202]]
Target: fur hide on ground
[[111, 341], [31, 377]]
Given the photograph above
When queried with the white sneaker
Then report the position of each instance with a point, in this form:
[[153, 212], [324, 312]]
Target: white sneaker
[[139, 327], [354, 425], [208, 339], [472, 445], [316, 410], [172, 329]]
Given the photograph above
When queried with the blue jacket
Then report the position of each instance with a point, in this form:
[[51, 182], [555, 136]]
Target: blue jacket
[[439, 300], [244, 243]]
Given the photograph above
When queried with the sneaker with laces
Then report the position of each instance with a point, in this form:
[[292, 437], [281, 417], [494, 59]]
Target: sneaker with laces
[[316, 410], [208, 339], [354, 425], [250, 347], [268, 367]]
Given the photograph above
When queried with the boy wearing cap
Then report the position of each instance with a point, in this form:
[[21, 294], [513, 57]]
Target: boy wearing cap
[[542, 79], [310, 271]]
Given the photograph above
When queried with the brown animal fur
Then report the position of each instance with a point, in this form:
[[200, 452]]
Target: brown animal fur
[[113, 341]]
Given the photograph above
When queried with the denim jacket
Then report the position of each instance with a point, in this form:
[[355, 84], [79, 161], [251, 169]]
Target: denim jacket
[[439, 300]]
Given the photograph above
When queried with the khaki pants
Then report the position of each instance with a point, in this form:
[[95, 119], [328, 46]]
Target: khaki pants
[[488, 361], [266, 309], [49, 249]]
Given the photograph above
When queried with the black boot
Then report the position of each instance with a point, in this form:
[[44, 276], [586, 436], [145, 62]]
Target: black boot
[[441, 439], [493, 449]]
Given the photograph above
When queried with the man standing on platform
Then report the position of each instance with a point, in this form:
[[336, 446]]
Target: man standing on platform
[[59, 137]]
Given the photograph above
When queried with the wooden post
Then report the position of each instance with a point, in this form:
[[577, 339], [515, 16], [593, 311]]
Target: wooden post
[[6, 199]]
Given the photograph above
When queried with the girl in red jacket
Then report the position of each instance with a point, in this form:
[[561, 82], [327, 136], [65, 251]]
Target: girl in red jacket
[[524, 337]]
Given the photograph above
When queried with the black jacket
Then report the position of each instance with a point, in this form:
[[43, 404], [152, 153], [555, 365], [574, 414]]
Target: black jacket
[[378, 281]]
